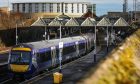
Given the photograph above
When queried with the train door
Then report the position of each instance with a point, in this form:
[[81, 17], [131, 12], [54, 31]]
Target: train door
[[53, 55], [87, 45], [77, 48]]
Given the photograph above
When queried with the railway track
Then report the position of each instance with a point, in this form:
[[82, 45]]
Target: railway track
[[3, 72], [4, 65], [37, 78], [40, 76]]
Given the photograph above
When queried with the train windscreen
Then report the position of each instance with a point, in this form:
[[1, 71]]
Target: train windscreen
[[20, 57]]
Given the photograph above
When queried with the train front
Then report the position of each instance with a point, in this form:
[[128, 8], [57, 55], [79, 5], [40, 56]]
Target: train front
[[20, 60]]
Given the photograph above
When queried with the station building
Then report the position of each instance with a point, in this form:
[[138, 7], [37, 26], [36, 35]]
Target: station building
[[53, 8]]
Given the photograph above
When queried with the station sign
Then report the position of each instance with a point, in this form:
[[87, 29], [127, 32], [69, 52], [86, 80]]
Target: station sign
[[60, 44]]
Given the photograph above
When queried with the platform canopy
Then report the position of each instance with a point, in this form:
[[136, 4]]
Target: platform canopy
[[55, 22], [38, 22], [89, 22], [72, 22], [104, 22], [42, 22], [121, 22]]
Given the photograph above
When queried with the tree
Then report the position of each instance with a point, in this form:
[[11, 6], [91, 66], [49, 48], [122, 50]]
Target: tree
[[9, 20]]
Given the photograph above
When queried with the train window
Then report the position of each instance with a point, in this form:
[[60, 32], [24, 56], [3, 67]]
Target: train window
[[38, 57], [81, 46], [57, 52], [48, 56], [44, 57], [68, 49]]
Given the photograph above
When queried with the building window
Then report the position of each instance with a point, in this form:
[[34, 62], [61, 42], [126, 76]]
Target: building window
[[36, 7], [82, 8], [77, 8], [58, 7], [86, 8], [43, 7], [17, 7], [30, 7], [23, 8], [51, 7], [66, 8], [72, 8], [14, 7]]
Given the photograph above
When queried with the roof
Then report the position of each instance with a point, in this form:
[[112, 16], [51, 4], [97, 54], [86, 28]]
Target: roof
[[89, 22], [38, 22], [50, 1], [42, 21], [63, 16], [64, 20], [104, 22], [80, 20], [55, 42], [121, 22], [72, 22], [47, 20], [89, 14], [55, 22]]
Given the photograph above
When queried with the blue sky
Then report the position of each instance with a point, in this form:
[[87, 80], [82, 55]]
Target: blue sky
[[102, 6]]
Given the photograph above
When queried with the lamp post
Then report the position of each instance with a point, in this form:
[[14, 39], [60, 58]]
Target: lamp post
[[107, 39], [60, 50], [94, 38], [60, 46], [95, 44], [9, 12], [112, 35], [45, 33], [16, 34], [48, 34], [60, 34], [60, 56]]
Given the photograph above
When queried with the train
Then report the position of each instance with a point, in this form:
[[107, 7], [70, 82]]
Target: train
[[28, 59]]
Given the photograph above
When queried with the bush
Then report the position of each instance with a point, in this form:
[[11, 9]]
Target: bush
[[1, 44]]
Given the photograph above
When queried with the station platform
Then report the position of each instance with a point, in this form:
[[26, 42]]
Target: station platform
[[3, 63], [74, 71], [4, 58]]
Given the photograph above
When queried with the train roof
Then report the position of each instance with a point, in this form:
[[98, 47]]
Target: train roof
[[55, 42]]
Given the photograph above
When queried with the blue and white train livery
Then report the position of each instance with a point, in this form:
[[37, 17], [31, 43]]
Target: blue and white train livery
[[29, 58]]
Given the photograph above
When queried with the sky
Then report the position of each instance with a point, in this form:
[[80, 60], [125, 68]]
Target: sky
[[102, 6]]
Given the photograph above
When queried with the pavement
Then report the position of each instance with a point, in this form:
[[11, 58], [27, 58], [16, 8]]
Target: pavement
[[76, 70]]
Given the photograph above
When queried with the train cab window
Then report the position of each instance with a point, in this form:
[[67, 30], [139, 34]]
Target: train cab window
[[20, 57]]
